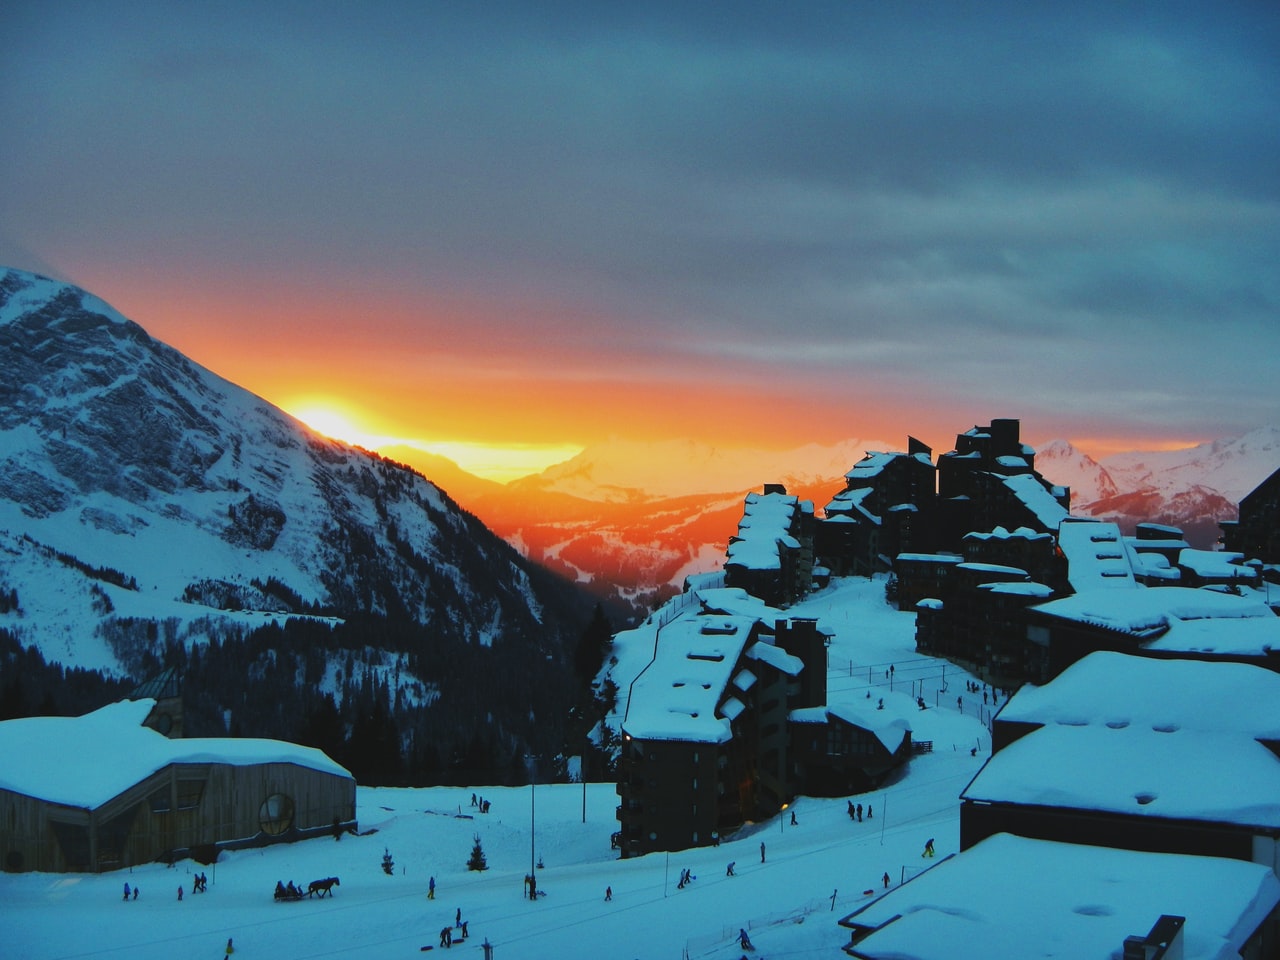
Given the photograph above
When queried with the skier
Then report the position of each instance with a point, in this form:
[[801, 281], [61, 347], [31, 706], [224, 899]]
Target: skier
[[743, 940]]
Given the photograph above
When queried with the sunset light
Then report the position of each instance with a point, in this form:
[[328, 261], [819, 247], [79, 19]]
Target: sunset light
[[500, 463]]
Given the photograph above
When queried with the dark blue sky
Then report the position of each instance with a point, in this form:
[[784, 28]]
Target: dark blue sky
[[854, 218]]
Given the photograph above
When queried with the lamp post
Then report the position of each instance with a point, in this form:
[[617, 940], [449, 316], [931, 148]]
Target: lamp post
[[532, 762]]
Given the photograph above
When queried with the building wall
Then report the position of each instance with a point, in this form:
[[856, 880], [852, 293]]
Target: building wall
[[1096, 828]]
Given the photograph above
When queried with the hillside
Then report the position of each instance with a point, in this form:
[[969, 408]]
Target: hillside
[[149, 508]]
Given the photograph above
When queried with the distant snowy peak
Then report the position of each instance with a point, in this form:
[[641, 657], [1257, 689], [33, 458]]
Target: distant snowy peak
[[1061, 463], [1232, 466], [625, 471]]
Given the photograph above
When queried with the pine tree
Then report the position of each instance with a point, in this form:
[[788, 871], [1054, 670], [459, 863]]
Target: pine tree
[[477, 861]]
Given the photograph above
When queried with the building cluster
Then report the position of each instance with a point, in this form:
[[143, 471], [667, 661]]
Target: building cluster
[[1130, 807], [730, 721], [120, 787]]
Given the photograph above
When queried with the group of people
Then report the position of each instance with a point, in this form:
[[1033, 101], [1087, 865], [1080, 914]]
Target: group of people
[[855, 811], [480, 803], [289, 891], [131, 894], [446, 933]]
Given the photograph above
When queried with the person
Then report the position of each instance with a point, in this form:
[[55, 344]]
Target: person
[[279, 890], [446, 936], [179, 893], [457, 918], [928, 848], [431, 888], [230, 949], [608, 893], [859, 809], [868, 811], [793, 818], [960, 704], [762, 851], [743, 940], [853, 815], [464, 929], [729, 870], [473, 800], [136, 891], [126, 891], [885, 878]]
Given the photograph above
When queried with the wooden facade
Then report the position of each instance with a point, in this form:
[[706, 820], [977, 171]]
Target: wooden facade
[[181, 810]]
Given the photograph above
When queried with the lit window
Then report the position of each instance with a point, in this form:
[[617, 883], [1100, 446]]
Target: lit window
[[276, 814]]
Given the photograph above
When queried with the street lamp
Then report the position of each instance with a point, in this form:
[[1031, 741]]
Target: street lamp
[[531, 761]]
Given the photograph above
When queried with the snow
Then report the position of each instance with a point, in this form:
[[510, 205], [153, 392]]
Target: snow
[[1138, 770], [1027, 488], [1013, 897], [85, 761], [1110, 688], [1096, 555]]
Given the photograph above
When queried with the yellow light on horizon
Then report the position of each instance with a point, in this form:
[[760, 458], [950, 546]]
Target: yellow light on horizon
[[501, 463]]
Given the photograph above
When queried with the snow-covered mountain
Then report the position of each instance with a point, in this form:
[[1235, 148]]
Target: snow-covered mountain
[[1193, 488], [137, 485]]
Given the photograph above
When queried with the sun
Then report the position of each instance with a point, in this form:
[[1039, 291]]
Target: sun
[[329, 419]]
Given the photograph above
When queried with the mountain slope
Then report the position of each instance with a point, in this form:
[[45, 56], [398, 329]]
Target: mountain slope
[[183, 495]]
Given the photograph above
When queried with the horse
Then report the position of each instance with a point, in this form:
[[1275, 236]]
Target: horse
[[318, 888]]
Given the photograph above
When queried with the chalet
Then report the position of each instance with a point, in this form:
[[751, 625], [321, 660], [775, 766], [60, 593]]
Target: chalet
[[104, 791], [845, 748], [1010, 896], [1120, 751], [771, 556]]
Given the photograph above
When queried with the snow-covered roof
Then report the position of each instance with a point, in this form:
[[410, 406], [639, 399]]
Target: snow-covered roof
[[890, 726], [776, 657], [736, 602], [1216, 564], [85, 761], [1025, 588], [1013, 462], [1176, 618], [676, 697], [1096, 555], [931, 557], [1137, 770], [847, 502], [1003, 533], [1013, 897], [1107, 688], [1027, 488], [766, 521]]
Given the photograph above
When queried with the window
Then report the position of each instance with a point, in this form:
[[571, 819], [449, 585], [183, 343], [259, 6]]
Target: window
[[275, 816]]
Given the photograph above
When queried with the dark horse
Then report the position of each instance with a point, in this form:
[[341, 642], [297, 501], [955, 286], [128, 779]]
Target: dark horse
[[318, 888]]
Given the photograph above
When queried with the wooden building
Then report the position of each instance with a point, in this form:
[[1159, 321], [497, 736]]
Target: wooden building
[[104, 791]]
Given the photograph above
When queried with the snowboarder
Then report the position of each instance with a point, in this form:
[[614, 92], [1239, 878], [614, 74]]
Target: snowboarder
[[431, 888], [126, 891], [885, 878], [762, 851], [729, 869]]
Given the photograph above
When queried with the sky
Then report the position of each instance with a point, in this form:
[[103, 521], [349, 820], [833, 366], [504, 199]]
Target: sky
[[509, 231]]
